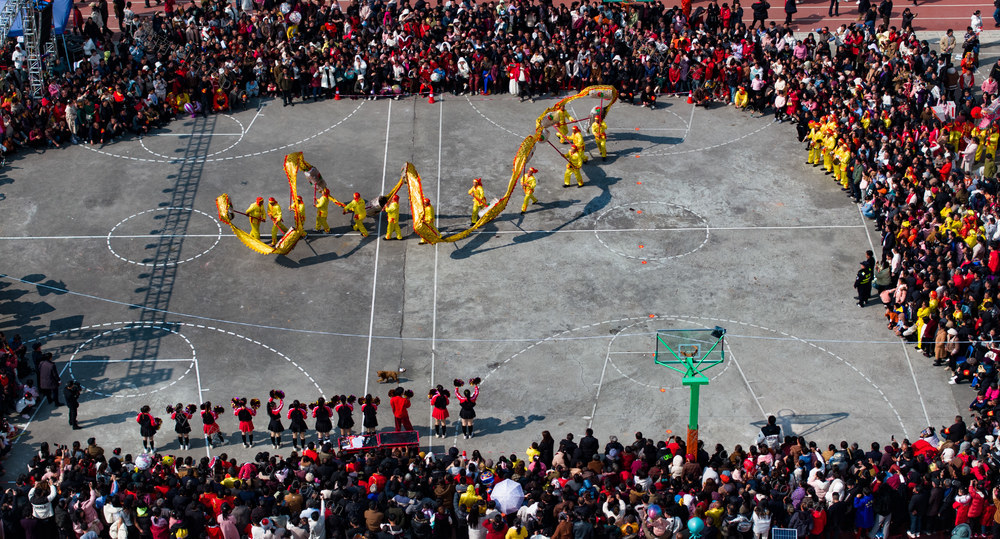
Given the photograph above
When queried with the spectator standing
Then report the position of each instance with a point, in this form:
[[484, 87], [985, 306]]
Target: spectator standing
[[72, 395], [48, 379]]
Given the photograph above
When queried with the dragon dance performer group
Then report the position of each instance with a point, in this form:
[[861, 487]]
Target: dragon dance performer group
[[322, 412], [360, 209]]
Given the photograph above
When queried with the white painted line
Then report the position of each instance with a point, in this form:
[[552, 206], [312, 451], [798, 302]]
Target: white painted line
[[259, 109], [24, 429], [600, 384], [641, 129], [434, 303], [201, 398], [743, 375], [152, 360], [378, 242], [690, 121], [561, 231], [906, 353], [196, 135]]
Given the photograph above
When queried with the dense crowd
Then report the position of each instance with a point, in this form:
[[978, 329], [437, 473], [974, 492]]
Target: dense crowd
[[573, 489], [869, 101]]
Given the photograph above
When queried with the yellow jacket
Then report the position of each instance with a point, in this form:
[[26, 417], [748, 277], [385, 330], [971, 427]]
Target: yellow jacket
[[478, 194], [358, 207], [741, 98], [299, 211], [255, 212], [274, 212], [575, 159], [428, 214], [392, 212], [599, 130], [528, 183], [321, 204]]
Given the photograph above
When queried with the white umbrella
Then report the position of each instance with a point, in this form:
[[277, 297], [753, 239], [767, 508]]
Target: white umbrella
[[508, 496]]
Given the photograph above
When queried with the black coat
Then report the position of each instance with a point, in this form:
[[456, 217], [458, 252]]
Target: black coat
[[48, 375]]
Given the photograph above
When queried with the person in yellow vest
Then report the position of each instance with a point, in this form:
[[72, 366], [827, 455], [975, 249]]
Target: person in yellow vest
[[299, 214], [357, 206], [562, 119], [274, 212], [322, 205], [573, 166], [478, 198], [256, 214], [428, 217], [829, 144], [392, 218], [600, 130], [577, 140], [528, 183]]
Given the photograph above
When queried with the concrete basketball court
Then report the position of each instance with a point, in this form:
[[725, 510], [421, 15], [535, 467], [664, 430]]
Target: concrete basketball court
[[699, 218]]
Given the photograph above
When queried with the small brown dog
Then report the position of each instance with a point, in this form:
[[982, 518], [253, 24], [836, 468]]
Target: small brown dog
[[388, 376]]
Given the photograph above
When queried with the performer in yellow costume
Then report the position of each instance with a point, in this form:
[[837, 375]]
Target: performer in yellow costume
[[573, 166], [842, 155], [562, 117], [478, 198], [528, 183], [600, 129], [814, 137], [357, 206], [256, 214], [322, 205], [299, 214], [829, 144], [577, 140], [274, 212], [428, 217], [392, 218]]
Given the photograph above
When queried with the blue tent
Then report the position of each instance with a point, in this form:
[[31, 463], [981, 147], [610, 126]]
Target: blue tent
[[60, 17]]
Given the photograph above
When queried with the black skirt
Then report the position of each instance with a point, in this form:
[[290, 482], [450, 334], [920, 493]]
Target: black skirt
[[468, 410], [323, 423], [345, 418], [370, 416], [181, 427], [297, 424], [275, 424]]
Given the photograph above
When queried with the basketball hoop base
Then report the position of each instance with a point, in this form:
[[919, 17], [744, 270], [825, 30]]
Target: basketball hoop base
[[692, 442]]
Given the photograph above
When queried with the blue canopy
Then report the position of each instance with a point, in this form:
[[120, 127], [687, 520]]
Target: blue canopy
[[60, 17]]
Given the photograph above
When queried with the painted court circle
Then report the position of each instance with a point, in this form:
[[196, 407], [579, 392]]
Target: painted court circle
[[149, 236]]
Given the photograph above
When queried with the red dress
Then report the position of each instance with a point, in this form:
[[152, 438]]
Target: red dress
[[208, 417], [440, 404], [245, 414]]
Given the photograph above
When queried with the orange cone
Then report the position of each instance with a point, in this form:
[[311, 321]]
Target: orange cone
[[690, 98], [430, 98], [336, 95]]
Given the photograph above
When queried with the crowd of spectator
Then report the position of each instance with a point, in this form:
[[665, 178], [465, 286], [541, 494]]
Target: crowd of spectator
[[573, 489], [879, 96]]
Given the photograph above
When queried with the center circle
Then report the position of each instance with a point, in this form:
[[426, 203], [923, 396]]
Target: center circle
[[155, 237], [117, 372], [651, 230], [198, 142]]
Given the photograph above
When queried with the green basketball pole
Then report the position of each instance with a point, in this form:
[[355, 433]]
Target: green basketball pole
[[691, 363]]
